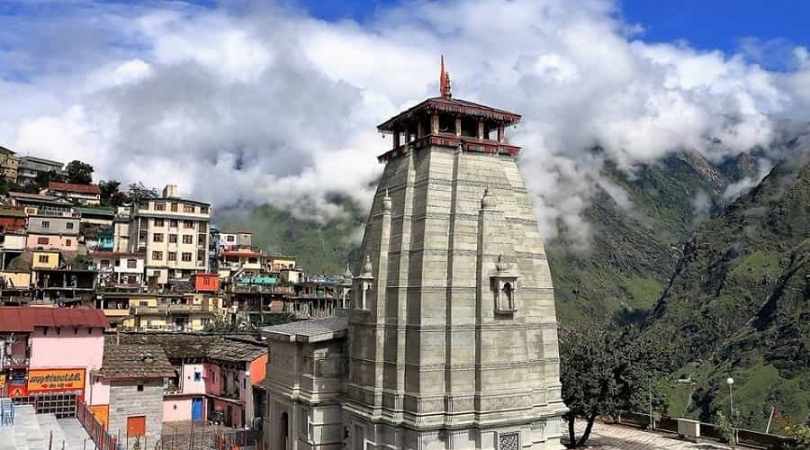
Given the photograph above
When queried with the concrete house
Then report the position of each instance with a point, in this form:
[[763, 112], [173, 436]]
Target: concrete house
[[80, 194], [130, 385], [173, 234]]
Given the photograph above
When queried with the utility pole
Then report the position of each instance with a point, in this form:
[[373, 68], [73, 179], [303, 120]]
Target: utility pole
[[652, 418]]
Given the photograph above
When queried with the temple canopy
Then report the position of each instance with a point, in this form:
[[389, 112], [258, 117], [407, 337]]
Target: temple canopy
[[452, 106]]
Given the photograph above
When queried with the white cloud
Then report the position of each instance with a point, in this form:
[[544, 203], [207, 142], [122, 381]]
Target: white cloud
[[264, 103]]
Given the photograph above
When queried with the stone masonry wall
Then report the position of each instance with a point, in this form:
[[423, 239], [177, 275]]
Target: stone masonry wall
[[126, 401]]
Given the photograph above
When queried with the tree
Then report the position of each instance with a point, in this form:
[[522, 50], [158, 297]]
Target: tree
[[43, 178], [110, 195], [79, 172], [138, 192], [607, 371]]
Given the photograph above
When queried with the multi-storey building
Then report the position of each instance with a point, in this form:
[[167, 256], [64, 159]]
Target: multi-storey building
[[173, 234], [40, 203], [49, 354], [236, 241], [119, 270], [9, 164], [30, 167], [53, 232], [80, 194]]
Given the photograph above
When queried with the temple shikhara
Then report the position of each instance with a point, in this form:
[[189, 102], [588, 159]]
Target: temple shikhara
[[450, 340]]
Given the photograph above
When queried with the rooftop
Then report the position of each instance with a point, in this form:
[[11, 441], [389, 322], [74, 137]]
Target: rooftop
[[451, 106], [72, 187], [25, 318], [200, 345], [42, 160], [309, 330], [134, 361], [12, 212]]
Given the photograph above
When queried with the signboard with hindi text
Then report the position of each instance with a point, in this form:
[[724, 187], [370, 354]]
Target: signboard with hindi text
[[48, 380]]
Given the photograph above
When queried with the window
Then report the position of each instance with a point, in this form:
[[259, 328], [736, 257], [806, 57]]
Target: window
[[203, 209], [158, 256], [188, 239], [197, 376], [160, 206], [132, 263], [200, 256], [157, 237], [105, 263], [186, 256], [172, 239], [43, 259], [188, 224], [142, 235], [174, 207], [69, 225], [172, 256], [252, 260], [158, 222], [68, 242], [117, 262], [144, 222], [188, 208], [173, 223], [230, 238], [201, 238], [43, 240], [46, 224], [140, 388], [203, 227]]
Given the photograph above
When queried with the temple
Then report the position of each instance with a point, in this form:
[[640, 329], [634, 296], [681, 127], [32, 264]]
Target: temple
[[450, 340]]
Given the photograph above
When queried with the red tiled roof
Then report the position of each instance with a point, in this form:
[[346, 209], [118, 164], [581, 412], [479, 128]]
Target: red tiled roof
[[25, 318], [70, 187]]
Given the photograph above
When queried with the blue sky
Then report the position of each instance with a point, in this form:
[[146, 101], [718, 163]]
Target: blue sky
[[725, 25]]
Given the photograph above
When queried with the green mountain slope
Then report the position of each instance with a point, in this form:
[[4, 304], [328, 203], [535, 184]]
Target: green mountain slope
[[320, 247], [635, 248], [738, 302]]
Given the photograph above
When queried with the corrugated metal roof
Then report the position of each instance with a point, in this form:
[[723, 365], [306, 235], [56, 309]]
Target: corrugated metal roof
[[25, 318]]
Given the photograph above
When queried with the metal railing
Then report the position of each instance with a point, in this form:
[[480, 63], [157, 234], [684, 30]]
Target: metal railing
[[708, 431], [97, 431]]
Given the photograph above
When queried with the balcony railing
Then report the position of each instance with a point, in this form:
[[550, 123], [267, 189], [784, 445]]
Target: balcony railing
[[170, 309]]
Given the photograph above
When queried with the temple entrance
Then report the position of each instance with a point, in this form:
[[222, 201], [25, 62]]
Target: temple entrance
[[283, 432]]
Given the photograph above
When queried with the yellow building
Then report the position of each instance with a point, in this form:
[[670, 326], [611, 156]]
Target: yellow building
[[117, 306], [9, 164], [16, 279], [44, 259]]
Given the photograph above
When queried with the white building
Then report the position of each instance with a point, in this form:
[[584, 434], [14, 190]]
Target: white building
[[173, 234], [117, 269]]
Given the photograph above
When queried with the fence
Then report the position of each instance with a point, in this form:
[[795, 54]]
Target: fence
[[208, 437], [709, 431], [96, 430]]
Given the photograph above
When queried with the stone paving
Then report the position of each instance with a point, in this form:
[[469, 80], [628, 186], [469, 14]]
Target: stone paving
[[617, 437]]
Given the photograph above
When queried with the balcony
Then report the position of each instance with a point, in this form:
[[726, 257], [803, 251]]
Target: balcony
[[167, 310], [14, 362]]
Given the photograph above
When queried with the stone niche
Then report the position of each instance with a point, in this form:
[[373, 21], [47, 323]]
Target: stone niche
[[505, 287]]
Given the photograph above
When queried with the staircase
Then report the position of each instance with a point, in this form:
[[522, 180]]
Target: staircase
[[32, 431]]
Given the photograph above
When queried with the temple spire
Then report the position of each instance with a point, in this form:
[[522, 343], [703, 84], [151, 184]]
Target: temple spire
[[444, 82]]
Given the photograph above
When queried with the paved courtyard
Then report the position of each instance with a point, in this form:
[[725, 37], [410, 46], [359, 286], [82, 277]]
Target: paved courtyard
[[616, 437]]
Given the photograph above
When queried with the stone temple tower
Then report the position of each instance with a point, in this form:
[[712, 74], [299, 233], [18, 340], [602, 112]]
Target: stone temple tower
[[452, 335]]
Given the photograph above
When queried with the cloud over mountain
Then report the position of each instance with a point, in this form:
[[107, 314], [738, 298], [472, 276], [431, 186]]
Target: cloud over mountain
[[255, 103]]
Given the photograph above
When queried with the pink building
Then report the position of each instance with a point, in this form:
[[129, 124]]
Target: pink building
[[217, 378], [50, 353], [64, 243]]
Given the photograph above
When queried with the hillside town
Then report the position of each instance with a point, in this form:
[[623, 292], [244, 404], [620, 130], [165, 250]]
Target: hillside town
[[143, 314]]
